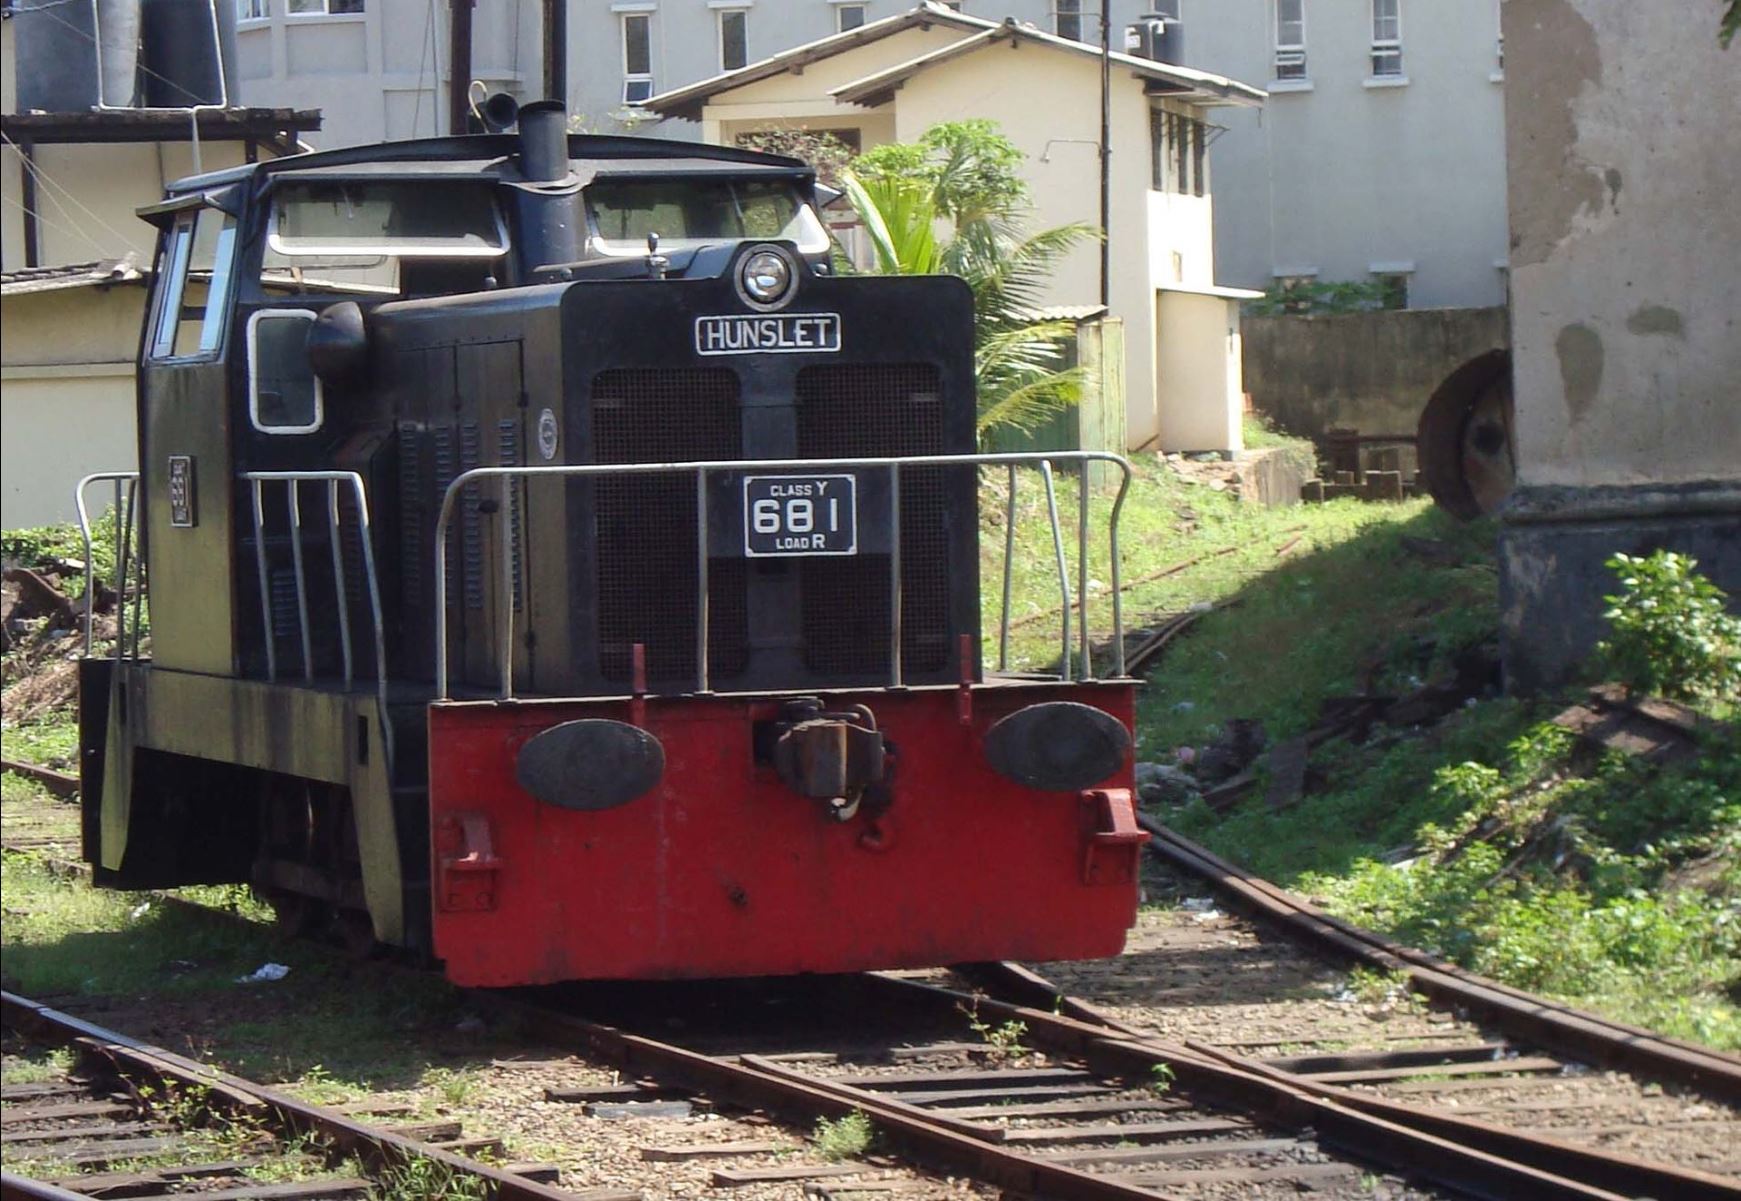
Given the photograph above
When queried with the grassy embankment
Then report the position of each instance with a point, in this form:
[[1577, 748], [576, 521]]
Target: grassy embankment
[[1488, 837]]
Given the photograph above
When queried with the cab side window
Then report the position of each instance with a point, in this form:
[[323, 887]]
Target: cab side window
[[284, 395], [194, 278]]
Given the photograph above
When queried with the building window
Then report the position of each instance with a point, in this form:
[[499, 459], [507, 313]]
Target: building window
[[1498, 40], [849, 16], [1290, 39], [308, 8], [284, 394], [1393, 289], [1386, 38], [1178, 153], [637, 57], [734, 38], [1068, 18], [253, 10]]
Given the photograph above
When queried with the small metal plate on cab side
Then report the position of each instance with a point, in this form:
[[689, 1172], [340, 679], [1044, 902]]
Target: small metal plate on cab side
[[183, 513]]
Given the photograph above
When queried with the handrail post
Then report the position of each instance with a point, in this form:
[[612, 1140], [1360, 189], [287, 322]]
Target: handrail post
[[441, 594], [366, 535], [266, 621], [1117, 595], [338, 575], [1063, 569], [1082, 570], [505, 542], [895, 576], [294, 497], [123, 553], [701, 582], [1009, 559]]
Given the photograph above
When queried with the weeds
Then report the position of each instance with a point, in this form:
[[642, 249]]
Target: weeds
[[1670, 632], [1003, 1039], [38, 1066], [845, 1137], [428, 1180], [1161, 1077], [454, 1088]]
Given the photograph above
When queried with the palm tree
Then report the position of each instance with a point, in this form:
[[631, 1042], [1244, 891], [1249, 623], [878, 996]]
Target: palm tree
[[1018, 356]]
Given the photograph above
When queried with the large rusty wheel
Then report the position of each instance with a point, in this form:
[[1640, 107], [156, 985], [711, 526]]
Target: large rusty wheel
[[1464, 439]]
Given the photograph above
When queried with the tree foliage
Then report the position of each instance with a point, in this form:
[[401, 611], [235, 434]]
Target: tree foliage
[[1671, 633], [1317, 298], [1730, 24], [966, 174], [821, 149]]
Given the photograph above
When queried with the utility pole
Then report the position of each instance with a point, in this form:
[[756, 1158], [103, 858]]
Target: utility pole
[[556, 50], [1106, 153], [459, 66]]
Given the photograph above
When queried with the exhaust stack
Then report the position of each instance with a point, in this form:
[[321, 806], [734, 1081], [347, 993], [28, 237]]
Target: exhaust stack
[[549, 199]]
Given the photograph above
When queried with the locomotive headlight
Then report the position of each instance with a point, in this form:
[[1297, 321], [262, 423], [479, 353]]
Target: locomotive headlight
[[766, 278]]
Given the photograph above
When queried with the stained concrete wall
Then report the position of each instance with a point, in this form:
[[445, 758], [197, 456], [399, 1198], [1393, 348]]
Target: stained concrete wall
[[1373, 372], [1625, 163]]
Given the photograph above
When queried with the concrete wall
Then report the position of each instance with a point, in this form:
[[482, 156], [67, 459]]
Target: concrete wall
[[1197, 377], [66, 396], [1373, 372], [88, 196], [1626, 327]]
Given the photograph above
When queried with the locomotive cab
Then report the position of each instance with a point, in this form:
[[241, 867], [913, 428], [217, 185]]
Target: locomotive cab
[[557, 568]]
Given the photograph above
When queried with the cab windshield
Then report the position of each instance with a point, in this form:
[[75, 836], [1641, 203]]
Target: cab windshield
[[692, 212]]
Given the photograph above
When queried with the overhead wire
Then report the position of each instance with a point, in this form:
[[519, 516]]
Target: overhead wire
[[51, 186], [46, 223]]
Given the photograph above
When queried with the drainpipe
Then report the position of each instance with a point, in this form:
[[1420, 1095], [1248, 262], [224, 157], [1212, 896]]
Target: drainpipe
[[1106, 153], [556, 50], [459, 65]]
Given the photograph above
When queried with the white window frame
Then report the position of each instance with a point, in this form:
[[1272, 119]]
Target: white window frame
[[1060, 15], [1290, 55], [254, 376], [1498, 73], [166, 320], [840, 11], [721, 13], [1388, 48], [324, 11], [248, 11], [631, 78]]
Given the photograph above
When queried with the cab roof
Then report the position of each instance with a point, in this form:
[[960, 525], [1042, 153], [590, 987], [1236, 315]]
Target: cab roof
[[495, 157]]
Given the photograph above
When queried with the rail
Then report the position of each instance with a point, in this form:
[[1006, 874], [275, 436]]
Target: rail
[[334, 480], [126, 565], [1081, 459]]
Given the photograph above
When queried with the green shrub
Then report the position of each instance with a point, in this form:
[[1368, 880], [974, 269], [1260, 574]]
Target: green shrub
[[1671, 633]]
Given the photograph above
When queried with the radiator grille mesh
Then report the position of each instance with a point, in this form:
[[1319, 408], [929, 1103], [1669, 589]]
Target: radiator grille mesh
[[872, 410], [646, 525]]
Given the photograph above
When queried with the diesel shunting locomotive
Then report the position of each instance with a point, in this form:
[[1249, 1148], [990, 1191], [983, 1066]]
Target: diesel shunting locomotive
[[558, 570]]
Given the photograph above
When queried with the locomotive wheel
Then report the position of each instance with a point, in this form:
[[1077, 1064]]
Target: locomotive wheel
[[296, 915]]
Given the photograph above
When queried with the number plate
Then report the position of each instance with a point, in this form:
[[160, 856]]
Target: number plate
[[800, 515]]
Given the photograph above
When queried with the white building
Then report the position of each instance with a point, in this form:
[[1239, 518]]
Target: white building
[[1381, 156], [895, 78]]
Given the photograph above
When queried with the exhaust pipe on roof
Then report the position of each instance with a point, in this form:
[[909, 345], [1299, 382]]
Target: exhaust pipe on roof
[[548, 195], [543, 141]]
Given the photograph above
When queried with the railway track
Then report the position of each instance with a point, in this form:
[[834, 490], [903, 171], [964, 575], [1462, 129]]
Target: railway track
[[1070, 1104], [1054, 1096], [134, 1120]]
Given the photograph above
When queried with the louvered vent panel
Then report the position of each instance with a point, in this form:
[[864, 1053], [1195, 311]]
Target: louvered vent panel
[[869, 410], [646, 525]]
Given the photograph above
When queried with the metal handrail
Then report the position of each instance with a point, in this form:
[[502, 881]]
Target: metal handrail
[[702, 469], [292, 480], [124, 524]]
